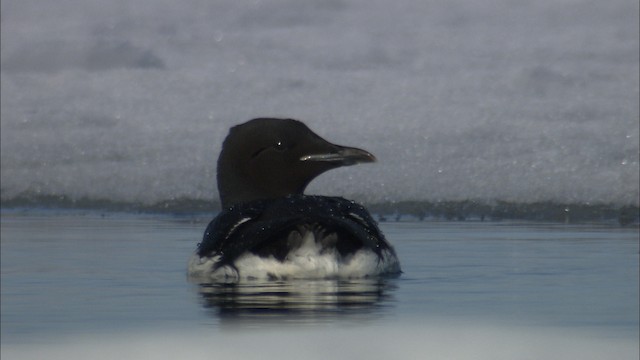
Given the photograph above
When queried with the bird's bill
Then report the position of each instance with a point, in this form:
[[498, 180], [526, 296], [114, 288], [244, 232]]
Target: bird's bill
[[343, 155]]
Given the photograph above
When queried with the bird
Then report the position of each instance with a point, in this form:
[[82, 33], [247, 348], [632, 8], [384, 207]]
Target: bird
[[268, 229]]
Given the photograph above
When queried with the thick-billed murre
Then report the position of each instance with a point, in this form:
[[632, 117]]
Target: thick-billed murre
[[268, 229]]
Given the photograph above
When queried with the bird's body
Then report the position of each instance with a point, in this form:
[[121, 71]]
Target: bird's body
[[269, 230]]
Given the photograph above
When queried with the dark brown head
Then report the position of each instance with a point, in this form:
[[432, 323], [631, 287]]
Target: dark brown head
[[269, 158]]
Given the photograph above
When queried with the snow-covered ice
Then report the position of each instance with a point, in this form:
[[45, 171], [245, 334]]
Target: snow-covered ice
[[129, 100]]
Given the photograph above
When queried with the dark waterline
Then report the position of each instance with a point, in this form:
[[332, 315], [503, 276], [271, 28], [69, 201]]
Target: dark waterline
[[497, 210]]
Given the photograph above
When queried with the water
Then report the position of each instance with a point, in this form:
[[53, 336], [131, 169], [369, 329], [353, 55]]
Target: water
[[113, 285]]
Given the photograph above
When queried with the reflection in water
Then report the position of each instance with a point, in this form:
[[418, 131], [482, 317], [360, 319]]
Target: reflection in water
[[298, 300]]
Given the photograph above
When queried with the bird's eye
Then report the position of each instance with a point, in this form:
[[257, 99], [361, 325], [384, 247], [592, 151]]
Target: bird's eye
[[280, 146]]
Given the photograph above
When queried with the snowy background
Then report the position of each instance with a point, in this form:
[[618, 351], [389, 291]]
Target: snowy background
[[129, 100]]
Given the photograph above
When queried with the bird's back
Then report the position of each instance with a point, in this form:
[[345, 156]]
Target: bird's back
[[297, 236]]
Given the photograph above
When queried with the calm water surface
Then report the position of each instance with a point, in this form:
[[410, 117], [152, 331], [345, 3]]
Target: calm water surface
[[71, 275]]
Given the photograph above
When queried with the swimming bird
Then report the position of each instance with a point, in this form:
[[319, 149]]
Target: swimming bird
[[269, 229]]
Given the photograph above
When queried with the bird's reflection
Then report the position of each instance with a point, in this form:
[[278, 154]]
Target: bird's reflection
[[298, 300]]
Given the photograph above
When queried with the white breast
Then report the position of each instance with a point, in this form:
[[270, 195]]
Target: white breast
[[308, 261]]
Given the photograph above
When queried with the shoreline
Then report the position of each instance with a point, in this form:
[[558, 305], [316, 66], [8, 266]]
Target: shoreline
[[392, 211]]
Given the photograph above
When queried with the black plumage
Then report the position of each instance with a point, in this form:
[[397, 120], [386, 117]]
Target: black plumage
[[263, 169], [274, 227]]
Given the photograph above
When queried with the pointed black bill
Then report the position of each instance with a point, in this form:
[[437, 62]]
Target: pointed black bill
[[343, 155]]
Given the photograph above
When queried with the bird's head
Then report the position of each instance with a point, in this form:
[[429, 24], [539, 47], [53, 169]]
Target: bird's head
[[268, 158]]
